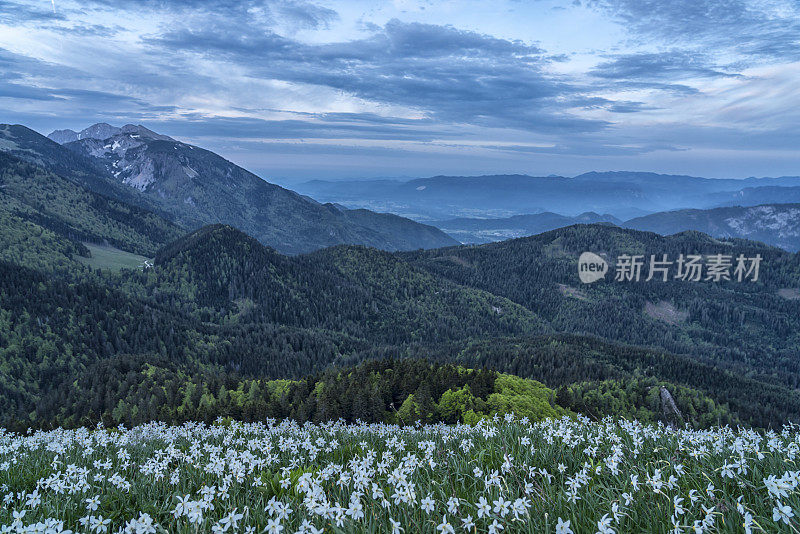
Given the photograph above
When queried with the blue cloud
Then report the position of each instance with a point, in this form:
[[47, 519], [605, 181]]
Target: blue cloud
[[659, 66], [15, 13], [755, 29], [299, 14], [452, 75], [308, 126], [27, 92]]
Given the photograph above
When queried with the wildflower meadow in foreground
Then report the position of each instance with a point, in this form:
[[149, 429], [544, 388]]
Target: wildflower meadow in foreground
[[500, 476]]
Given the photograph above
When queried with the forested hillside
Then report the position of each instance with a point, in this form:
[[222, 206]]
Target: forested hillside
[[776, 224], [749, 327], [218, 312], [55, 204], [219, 299], [220, 309], [136, 389], [133, 389]]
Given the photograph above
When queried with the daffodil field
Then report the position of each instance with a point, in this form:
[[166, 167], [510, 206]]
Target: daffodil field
[[499, 476]]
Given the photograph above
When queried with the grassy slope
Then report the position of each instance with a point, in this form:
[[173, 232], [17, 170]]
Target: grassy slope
[[106, 257]]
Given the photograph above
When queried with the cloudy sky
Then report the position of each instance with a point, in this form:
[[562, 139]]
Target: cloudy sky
[[295, 90]]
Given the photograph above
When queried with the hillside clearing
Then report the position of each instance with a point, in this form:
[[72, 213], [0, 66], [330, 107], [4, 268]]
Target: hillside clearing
[[108, 257]]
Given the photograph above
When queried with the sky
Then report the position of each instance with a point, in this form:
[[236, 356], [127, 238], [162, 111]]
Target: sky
[[297, 90]]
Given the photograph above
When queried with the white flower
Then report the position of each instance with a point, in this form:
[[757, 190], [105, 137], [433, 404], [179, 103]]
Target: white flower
[[92, 503], [452, 505], [748, 522], [34, 499], [99, 524], [604, 525], [427, 504], [501, 506], [274, 526], [445, 527], [563, 527], [483, 507], [782, 512], [676, 502]]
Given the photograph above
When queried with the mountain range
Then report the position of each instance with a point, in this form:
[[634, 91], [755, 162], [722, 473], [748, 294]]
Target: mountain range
[[219, 306], [191, 187], [163, 175], [623, 195], [774, 224], [212, 312]]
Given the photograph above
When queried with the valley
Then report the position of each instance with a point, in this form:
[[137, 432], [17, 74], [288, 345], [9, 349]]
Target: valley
[[485, 209]]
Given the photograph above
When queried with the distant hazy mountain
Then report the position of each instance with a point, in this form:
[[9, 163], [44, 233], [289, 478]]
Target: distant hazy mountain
[[476, 231], [774, 224], [621, 194], [102, 131], [63, 136], [753, 196], [196, 187], [680, 180], [406, 234], [444, 197]]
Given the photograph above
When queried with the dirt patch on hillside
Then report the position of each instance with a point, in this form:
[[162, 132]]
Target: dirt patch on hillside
[[665, 311], [574, 292], [458, 260]]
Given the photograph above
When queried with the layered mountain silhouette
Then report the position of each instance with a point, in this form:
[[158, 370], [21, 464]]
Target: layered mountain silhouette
[[220, 303], [623, 195], [192, 187], [774, 224]]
